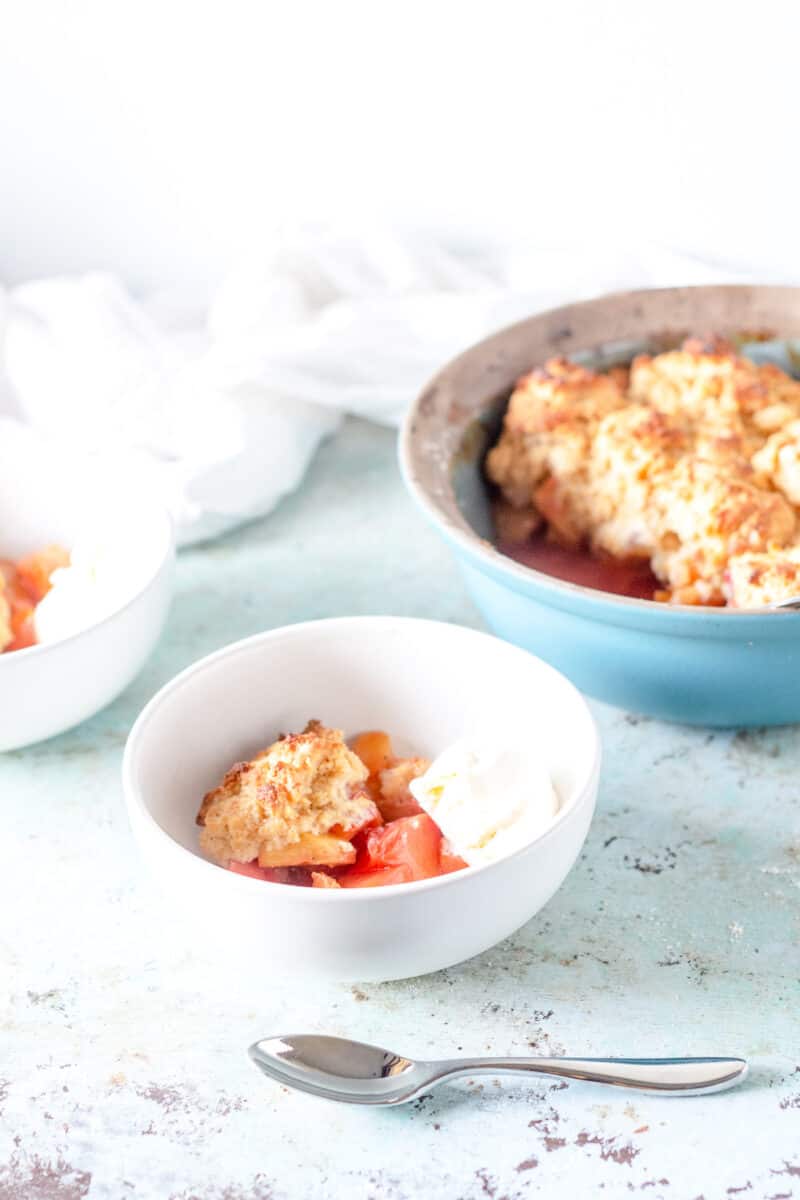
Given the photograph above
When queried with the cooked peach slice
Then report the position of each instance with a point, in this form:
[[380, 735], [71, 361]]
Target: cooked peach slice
[[374, 748], [23, 629], [34, 570], [389, 776], [449, 862], [314, 850], [6, 632], [395, 799], [16, 610]]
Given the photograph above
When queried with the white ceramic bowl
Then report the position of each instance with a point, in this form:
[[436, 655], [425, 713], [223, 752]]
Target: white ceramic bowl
[[424, 683], [47, 495]]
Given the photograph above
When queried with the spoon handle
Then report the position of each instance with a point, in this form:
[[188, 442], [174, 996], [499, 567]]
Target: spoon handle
[[670, 1076]]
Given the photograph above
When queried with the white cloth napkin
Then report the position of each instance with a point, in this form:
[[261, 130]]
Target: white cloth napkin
[[222, 405]]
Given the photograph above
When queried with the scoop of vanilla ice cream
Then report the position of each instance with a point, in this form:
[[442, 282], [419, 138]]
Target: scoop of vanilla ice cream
[[104, 573], [488, 800]]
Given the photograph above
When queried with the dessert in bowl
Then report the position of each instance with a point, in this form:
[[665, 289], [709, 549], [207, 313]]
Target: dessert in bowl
[[686, 462], [24, 584], [312, 811], [397, 899], [624, 502], [86, 567]]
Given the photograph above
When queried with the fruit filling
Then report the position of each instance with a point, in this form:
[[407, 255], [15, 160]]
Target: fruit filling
[[315, 811], [23, 585], [679, 476]]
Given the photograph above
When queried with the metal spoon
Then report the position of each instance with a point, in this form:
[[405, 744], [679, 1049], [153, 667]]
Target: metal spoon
[[338, 1069]]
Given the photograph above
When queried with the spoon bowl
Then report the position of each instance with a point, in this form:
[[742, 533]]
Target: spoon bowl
[[338, 1069], [356, 1073]]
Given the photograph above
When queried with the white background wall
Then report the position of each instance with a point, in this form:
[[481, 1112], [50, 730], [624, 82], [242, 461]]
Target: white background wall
[[161, 139]]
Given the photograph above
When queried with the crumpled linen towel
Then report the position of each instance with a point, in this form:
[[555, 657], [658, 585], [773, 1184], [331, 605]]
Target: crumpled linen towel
[[220, 406]]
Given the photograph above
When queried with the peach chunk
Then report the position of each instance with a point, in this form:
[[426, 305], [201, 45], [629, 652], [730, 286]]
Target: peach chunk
[[34, 570], [395, 799], [374, 748], [310, 851], [6, 633]]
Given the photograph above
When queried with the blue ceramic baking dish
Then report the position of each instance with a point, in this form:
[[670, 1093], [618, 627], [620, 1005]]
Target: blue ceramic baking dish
[[700, 666]]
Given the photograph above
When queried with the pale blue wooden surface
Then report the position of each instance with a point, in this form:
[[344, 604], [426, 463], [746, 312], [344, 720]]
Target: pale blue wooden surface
[[123, 1053]]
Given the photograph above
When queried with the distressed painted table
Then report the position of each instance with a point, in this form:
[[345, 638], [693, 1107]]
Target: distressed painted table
[[122, 1056]]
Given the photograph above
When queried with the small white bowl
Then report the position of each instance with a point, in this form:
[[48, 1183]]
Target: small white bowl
[[50, 495], [423, 682]]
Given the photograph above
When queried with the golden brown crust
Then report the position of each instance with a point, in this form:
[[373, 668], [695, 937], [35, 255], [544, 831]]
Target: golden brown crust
[[778, 461], [755, 580], [705, 516], [304, 786], [551, 417], [717, 389], [691, 460]]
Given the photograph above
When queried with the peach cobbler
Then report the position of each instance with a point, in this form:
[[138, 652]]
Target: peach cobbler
[[23, 584], [687, 462], [312, 810]]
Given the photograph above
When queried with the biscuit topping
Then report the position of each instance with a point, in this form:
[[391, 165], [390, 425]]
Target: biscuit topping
[[296, 802], [688, 461]]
